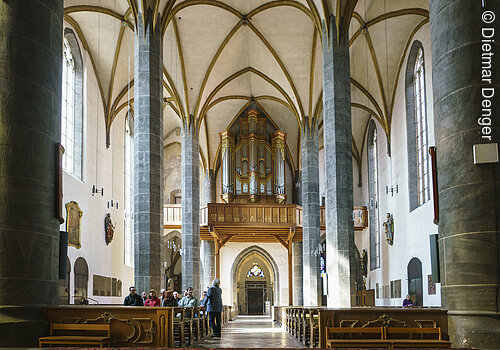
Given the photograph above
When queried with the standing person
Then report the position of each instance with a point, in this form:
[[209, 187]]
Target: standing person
[[133, 299], [407, 301], [214, 307], [152, 299]]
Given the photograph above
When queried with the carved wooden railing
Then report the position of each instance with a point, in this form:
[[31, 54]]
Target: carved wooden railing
[[283, 215], [219, 214]]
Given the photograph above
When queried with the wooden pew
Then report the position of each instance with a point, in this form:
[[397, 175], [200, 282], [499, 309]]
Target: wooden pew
[[379, 317], [345, 337], [130, 326], [409, 342], [179, 324], [63, 334]]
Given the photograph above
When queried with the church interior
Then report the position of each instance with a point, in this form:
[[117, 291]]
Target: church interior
[[324, 159]]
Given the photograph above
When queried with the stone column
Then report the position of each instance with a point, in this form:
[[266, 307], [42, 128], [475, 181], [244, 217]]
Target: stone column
[[310, 214], [190, 158], [30, 127], [468, 195], [298, 297], [209, 187], [148, 156], [208, 247], [338, 166], [208, 251]]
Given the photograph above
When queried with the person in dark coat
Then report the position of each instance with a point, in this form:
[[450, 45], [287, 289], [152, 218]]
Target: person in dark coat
[[169, 299], [133, 299], [214, 307], [407, 302]]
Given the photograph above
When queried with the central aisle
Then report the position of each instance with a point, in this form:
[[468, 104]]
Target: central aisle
[[251, 332]]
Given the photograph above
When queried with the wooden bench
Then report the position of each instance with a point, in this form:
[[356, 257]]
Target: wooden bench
[[87, 334], [408, 342], [334, 340]]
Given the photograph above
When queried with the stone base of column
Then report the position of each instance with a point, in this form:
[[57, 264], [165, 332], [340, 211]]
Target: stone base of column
[[474, 331], [21, 326]]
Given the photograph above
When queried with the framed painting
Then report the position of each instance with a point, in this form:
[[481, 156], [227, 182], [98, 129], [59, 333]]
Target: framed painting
[[73, 224]]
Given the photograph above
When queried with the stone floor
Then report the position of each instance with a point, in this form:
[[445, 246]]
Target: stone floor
[[251, 332]]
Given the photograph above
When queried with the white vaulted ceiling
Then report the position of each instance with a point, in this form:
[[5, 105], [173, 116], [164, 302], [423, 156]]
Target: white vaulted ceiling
[[217, 55]]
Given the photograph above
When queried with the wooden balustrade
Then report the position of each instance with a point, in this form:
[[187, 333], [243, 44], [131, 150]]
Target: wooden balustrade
[[172, 217], [308, 324], [136, 326], [268, 215]]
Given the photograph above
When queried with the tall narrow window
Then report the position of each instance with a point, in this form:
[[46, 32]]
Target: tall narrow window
[[373, 193], [81, 280], [421, 130], [68, 107], [129, 191], [72, 105], [416, 124]]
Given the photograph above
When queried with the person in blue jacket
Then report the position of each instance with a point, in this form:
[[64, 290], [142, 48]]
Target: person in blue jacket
[[214, 307]]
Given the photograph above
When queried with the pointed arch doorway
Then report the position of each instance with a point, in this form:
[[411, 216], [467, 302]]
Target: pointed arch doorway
[[255, 278]]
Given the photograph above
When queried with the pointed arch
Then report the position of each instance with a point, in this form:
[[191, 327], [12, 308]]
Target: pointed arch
[[269, 259]]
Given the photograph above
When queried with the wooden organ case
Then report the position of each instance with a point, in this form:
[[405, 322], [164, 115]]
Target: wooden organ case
[[253, 162]]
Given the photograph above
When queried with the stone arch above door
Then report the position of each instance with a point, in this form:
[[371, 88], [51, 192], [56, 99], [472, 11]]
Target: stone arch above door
[[270, 260]]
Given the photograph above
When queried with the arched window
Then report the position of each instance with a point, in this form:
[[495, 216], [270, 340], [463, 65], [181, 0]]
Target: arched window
[[64, 295], [256, 271], [81, 280], [72, 105], [416, 121], [129, 190], [415, 283], [373, 193]]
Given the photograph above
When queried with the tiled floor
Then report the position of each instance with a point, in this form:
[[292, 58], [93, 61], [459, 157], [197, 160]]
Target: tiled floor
[[251, 332]]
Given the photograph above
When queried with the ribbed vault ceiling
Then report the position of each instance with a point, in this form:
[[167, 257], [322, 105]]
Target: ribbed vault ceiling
[[217, 55]]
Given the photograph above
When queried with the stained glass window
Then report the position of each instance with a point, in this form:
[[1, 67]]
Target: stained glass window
[[255, 270]]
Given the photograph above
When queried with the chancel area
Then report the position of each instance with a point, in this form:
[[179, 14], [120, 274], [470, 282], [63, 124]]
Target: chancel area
[[332, 164]]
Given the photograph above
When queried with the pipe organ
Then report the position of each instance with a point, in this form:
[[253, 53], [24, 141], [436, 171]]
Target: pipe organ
[[253, 161]]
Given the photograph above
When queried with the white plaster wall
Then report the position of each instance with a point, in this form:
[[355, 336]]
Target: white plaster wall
[[412, 230], [105, 168], [228, 255]]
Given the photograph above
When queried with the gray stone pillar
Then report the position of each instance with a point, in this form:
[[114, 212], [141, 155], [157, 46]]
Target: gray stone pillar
[[338, 165], [468, 196], [30, 127], [310, 214], [190, 158], [148, 156], [298, 296], [208, 251], [209, 187]]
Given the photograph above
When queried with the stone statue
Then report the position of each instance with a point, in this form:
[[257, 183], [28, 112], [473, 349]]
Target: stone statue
[[109, 229], [389, 228], [365, 262]]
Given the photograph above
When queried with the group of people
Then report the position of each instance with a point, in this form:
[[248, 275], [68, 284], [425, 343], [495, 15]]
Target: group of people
[[211, 299]]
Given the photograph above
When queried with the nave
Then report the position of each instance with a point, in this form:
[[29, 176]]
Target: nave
[[251, 332]]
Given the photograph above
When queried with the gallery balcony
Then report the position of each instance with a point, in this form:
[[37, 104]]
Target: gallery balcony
[[253, 222]]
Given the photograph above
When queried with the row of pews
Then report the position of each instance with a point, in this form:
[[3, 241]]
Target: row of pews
[[133, 326], [321, 327]]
